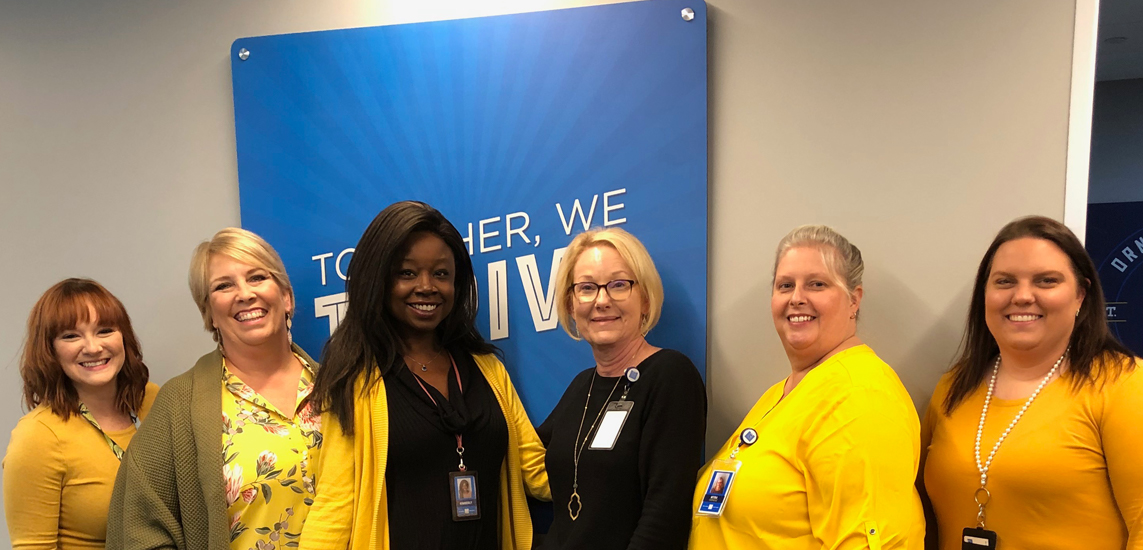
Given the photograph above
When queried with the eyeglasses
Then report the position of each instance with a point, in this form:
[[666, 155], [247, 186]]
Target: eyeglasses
[[617, 290]]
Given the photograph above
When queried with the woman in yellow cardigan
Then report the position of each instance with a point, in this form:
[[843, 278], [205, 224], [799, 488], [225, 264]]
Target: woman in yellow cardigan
[[827, 458], [86, 386], [418, 407], [1032, 439]]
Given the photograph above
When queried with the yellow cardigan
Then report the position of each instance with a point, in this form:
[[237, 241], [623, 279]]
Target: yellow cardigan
[[350, 510]]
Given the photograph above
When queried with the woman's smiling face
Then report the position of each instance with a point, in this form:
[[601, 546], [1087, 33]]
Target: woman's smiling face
[[813, 312], [1032, 296], [423, 288]]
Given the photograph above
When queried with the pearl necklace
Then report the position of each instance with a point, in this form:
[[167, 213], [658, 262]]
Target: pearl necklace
[[983, 468]]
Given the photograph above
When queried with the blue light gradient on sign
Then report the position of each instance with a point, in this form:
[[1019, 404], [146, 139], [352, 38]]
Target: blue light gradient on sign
[[522, 129]]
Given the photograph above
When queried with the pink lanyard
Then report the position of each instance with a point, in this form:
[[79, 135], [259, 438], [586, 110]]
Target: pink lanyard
[[459, 440]]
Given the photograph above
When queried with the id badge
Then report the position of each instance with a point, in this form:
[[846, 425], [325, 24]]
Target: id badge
[[465, 498], [978, 539], [718, 488], [614, 416]]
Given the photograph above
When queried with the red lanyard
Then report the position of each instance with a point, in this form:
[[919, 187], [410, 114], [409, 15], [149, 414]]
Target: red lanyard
[[459, 386]]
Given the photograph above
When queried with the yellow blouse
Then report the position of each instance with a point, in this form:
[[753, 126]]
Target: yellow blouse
[[265, 453], [834, 466], [58, 476], [1067, 476]]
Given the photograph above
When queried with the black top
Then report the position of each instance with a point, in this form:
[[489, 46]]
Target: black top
[[637, 495], [422, 453]]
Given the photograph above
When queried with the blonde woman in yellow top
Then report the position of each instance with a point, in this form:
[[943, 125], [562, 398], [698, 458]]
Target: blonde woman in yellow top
[[827, 458], [1033, 439]]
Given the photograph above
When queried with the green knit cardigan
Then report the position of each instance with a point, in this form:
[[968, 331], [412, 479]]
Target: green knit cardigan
[[169, 491]]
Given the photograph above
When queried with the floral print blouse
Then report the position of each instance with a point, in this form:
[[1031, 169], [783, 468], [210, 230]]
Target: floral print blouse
[[266, 470]]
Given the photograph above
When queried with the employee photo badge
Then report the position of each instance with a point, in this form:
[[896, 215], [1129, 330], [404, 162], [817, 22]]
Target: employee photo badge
[[465, 498], [717, 491], [614, 417], [973, 538]]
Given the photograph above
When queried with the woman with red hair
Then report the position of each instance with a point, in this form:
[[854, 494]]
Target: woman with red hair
[[86, 387]]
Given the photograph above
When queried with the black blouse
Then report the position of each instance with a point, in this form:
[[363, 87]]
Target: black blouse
[[422, 453], [637, 495]]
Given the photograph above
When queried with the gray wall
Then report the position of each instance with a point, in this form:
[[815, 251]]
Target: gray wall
[[1117, 142], [915, 128]]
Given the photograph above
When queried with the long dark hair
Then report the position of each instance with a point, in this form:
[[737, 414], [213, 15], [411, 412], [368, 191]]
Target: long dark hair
[[1091, 340], [62, 307], [367, 342]]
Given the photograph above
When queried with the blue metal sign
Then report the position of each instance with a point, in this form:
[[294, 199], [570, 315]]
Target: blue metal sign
[[523, 130]]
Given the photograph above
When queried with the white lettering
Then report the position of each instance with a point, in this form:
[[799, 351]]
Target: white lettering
[[577, 207], [337, 263], [1139, 244], [485, 235], [540, 303], [333, 307], [1119, 265], [519, 231], [1129, 254], [607, 208], [468, 240], [321, 258], [498, 300]]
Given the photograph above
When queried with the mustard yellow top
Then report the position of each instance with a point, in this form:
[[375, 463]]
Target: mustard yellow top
[[1069, 475], [266, 454], [834, 466], [58, 476], [350, 510]]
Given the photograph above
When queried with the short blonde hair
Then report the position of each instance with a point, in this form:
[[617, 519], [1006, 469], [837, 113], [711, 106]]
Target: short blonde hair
[[633, 253], [841, 257], [243, 246]]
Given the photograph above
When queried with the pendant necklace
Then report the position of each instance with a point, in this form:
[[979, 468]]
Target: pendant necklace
[[575, 505], [425, 365]]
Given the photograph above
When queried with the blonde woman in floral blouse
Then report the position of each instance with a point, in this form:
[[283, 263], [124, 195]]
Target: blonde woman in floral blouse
[[224, 459]]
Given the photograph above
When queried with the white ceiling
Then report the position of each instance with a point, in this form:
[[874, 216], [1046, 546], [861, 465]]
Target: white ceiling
[[1123, 60]]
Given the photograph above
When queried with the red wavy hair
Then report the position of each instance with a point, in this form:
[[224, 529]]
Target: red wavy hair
[[63, 307]]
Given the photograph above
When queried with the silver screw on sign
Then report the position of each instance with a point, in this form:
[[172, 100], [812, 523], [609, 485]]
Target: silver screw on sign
[[243, 54], [688, 14]]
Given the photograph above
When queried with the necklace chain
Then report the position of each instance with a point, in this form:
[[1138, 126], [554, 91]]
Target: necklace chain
[[575, 505], [983, 467], [578, 447], [425, 365]]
